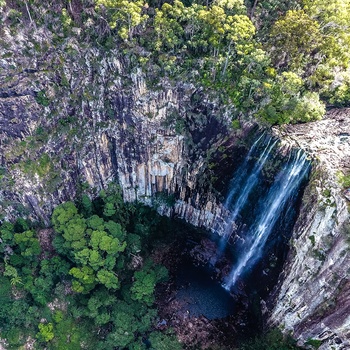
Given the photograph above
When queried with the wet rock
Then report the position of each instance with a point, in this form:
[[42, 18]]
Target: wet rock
[[204, 252]]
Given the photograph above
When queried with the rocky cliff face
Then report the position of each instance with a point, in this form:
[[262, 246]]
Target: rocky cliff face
[[73, 117], [313, 297]]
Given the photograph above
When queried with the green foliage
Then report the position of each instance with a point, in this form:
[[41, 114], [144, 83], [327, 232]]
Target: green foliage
[[236, 124], [115, 230], [309, 108], [86, 206], [312, 239], [273, 340], [134, 243], [45, 332], [5, 290], [108, 279], [86, 306], [92, 248], [125, 327], [344, 179], [314, 343], [41, 166], [123, 15], [21, 225], [294, 38], [216, 46], [28, 243], [66, 20], [97, 296], [340, 95], [70, 333], [12, 273], [334, 19], [84, 279], [163, 341], [145, 281], [6, 235], [95, 223], [289, 103], [314, 42], [113, 205], [221, 37], [202, 29], [42, 99], [109, 209], [62, 215]]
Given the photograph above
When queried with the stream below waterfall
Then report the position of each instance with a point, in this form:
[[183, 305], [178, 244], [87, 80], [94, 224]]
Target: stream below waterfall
[[200, 293]]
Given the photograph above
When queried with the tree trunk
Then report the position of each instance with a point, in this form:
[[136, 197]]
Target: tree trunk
[[227, 57], [253, 9], [29, 15]]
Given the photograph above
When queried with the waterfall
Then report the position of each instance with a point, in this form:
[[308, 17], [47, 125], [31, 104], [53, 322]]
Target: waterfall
[[245, 181], [285, 186], [241, 174]]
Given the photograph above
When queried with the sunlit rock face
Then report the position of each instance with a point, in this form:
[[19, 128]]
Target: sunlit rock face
[[313, 297], [73, 117]]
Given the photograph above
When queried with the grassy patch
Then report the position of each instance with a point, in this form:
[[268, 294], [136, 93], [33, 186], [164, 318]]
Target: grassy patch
[[344, 179], [42, 99], [314, 343]]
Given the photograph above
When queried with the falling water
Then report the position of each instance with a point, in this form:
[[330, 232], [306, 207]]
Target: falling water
[[251, 180], [285, 186], [246, 184], [241, 173]]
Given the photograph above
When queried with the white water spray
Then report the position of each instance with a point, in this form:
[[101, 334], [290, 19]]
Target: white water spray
[[245, 184], [241, 174], [285, 184]]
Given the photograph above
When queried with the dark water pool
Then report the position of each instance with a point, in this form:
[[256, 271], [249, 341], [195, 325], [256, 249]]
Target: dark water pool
[[199, 294]]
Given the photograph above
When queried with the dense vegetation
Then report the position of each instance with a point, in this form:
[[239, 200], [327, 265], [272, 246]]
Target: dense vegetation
[[92, 289], [280, 61], [89, 283], [272, 340]]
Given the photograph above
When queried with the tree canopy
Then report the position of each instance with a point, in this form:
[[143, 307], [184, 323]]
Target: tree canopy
[[219, 45], [87, 291]]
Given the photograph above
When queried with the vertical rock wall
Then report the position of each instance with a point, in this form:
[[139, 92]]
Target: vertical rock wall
[[86, 117], [312, 300]]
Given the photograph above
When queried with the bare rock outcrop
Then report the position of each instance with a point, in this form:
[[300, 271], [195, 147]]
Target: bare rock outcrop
[[312, 300]]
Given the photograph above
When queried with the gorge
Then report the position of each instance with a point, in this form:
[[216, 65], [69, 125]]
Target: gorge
[[158, 165], [75, 118]]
